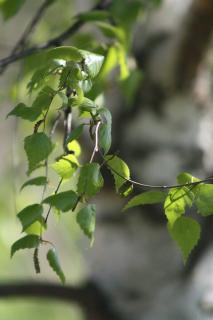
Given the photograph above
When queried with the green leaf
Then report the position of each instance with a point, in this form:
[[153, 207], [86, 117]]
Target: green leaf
[[27, 242], [29, 215], [66, 166], [22, 111], [112, 31], [38, 181], [105, 138], [41, 75], [90, 180], [94, 15], [204, 199], [119, 170], [149, 197], [186, 232], [38, 147], [110, 62], [75, 134], [126, 189], [65, 52], [87, 105], [10, 7], [185, 177], [93, 63], [54, 263], [176, 202], [43, 101], [63, 201], [37, 227], [122, 59], [40, 104], [86, 220]]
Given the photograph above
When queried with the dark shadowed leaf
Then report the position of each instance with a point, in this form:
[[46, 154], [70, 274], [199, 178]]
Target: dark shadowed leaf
[[90, 180], [38, 181], [29, 215], [27, 242], [63, 201], [38, 146], [54, 263], [86, 220]]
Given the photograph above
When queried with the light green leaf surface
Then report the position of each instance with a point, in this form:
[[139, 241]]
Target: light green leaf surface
[[176, 202], [119, 170], [204, 199], [66, 166], [149, 197], [186, 232]]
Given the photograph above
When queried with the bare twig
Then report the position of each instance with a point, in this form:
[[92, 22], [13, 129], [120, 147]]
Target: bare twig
[[96, 148], [150, 186], [50, 207]]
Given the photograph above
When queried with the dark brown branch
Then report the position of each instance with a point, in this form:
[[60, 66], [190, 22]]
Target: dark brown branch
[[90, 297], [21, 43], [194, 40], [57, 41]]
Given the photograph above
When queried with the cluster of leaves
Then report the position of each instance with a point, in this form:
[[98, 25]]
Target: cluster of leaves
[[74, 76]]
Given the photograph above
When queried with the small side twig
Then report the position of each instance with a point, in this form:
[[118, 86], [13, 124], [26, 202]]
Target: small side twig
[[96, 147]]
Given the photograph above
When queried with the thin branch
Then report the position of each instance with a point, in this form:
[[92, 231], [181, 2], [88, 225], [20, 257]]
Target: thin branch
[[57, 41], [151, 186], [96, 148], [19, 46], [88, 296], [50, 207]]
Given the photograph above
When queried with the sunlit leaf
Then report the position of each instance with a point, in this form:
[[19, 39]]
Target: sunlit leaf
[[66, 53], [66, 166], [204, 199], [176, 202], [149, 197], [93, 63], [119, 170], [74, 147], [186, 232]]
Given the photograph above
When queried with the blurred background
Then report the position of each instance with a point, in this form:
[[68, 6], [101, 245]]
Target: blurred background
[[161, 102]]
